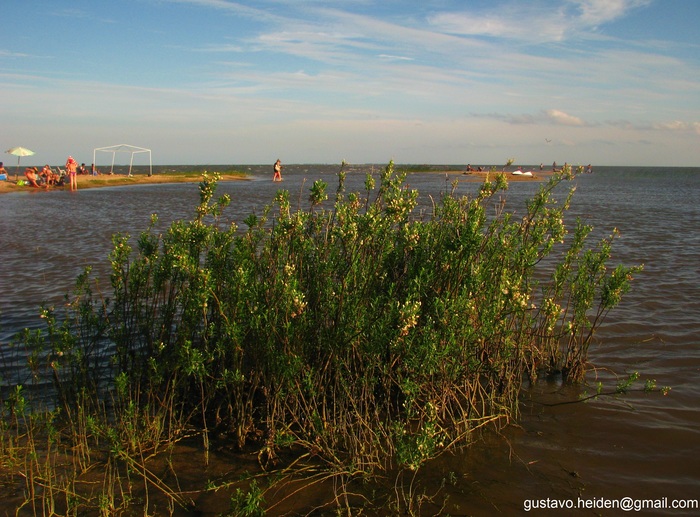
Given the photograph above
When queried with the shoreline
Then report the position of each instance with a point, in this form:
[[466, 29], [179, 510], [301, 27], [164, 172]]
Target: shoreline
[[118, 180]]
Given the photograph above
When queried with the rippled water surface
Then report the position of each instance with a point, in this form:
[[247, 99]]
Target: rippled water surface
[[640, 445]]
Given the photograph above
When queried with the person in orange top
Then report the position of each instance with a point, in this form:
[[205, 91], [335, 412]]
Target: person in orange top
[[72, 171]]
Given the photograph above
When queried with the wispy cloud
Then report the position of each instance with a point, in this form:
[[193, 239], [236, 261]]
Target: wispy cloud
[[535, 21], [550, 116], [11, 54], [389, 57], [219, 48], [234, 8], [679, 126], [596, 12], [441, 74]]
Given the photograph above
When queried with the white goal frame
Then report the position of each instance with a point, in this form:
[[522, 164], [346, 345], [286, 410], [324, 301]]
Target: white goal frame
[[125, 148]]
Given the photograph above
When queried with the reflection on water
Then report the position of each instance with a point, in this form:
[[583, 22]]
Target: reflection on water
[[639, 445]]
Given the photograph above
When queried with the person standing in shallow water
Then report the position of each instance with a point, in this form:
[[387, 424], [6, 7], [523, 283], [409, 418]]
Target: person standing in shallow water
[[278, 171], [72, 171]]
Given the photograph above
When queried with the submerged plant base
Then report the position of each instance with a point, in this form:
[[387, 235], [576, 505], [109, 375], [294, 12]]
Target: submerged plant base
[[347, 345]]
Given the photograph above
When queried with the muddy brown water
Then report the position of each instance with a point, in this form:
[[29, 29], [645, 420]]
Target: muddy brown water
[[642, 446]]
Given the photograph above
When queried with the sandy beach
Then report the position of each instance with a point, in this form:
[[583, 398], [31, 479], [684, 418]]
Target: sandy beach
[[115, 180]]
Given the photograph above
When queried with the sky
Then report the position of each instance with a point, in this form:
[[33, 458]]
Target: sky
[[607, 82]]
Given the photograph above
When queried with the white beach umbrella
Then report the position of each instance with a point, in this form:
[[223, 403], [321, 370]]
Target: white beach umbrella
[[19, 152]]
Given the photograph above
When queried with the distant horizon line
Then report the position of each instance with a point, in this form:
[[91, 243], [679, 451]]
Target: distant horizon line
[[9, 164]]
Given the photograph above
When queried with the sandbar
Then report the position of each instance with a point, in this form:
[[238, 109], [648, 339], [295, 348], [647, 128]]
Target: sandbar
[[116, 180], [480, 176]]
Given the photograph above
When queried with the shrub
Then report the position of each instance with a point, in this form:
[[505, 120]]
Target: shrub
[[359, 333]]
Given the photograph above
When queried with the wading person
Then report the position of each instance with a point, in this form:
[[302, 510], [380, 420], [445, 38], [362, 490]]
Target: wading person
[[278, 171]]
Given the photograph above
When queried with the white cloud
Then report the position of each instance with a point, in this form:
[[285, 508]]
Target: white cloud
[[561, 118], [597, 12]]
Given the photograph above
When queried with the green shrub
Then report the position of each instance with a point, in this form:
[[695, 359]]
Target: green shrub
[[360, 332]]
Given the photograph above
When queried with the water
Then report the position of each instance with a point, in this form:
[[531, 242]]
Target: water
[[641, 445]]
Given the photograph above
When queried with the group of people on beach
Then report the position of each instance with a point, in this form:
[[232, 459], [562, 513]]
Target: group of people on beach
[[47, 177]]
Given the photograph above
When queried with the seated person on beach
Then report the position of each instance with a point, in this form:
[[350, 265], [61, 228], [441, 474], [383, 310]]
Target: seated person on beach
[[3, 173], [31, 175], [60, 178], [82, 169], [94, 170], [49, 176]]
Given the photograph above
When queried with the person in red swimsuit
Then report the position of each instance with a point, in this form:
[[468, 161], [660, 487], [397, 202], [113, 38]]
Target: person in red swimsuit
[[72, 171]]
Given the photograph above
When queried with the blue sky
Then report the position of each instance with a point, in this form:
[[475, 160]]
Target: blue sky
[[608, 82]]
